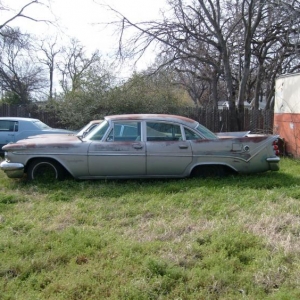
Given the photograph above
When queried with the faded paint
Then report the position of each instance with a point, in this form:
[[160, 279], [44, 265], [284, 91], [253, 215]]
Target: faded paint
[[89, 158], [287, 111]]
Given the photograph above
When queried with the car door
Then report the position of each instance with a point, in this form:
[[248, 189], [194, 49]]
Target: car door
[[8, 130], [167, 152], [122, 153]]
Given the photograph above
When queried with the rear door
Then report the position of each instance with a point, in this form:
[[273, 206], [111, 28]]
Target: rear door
[[167, 152]]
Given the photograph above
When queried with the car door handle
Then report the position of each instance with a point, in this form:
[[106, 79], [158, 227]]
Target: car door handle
[[183, 146], [137, 146]]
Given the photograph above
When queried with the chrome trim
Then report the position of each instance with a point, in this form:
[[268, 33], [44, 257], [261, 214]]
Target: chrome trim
[[12, 170], [273, 159]]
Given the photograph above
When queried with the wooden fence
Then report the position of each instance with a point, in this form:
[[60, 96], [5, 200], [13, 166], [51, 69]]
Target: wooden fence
[[256, 121]]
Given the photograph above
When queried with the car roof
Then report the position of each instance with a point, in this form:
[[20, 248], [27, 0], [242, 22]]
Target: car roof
[[154, 117], [18, 119], [95, 121]]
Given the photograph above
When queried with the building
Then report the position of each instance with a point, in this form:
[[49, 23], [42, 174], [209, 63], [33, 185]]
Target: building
[[287, 112]]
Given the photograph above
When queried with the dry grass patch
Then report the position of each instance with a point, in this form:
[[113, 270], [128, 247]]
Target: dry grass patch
[[176, 230], [277, 224]]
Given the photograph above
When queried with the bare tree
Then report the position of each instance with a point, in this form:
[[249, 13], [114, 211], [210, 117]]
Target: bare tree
[[74, 66], [19, 14], [19, 72], [242, 45], [196, 34], [50, 49]]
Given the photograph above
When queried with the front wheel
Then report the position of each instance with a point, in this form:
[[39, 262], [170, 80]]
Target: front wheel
[[45, 169]]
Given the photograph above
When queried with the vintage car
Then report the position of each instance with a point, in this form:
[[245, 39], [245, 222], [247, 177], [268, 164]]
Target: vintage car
[[13, 129], [141, 146]]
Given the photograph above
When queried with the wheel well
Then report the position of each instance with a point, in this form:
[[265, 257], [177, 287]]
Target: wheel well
[[46, 158], [219, 170]]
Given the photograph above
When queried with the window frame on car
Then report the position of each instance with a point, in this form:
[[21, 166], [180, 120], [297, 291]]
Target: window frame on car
[[176, 133], [9, 126], [125, 131]]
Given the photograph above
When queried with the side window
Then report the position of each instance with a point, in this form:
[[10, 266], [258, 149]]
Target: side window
[[125, 131], [163, 132], [98, 133], [191, 135], [6, 125]]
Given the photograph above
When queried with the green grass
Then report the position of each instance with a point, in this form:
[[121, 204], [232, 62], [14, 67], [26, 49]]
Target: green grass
[[230, 238]]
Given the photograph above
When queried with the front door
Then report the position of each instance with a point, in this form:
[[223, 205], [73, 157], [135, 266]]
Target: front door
[[121, 154]]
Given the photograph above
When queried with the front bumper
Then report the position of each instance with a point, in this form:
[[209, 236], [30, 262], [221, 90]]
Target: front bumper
[[12, 170]]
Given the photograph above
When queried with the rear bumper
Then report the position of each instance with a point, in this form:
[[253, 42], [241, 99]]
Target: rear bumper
[[274, 163], [12, 170]]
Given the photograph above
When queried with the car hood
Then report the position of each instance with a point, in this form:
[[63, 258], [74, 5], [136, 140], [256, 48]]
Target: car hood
[[56, 130], [51, 135], [51, 141]]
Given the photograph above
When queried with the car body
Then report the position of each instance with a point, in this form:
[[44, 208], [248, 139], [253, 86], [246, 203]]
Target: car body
[[142, 146], [13, 129]]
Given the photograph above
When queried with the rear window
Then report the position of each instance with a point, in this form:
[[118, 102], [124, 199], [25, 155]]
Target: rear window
[[206, 132], [161, 131], [7, 125]]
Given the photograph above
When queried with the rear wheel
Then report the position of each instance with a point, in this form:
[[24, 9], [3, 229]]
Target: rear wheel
[[209, 171], [45, 169]]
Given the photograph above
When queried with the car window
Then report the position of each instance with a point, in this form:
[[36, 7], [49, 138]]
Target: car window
[[191, 135], [160, 131], [206, 132], [125, 131], [7, 125], [98, 132]]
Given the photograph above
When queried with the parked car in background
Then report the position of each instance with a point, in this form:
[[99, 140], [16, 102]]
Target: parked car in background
[[88, 127], [81, 133], [13, 129], [141, 146]]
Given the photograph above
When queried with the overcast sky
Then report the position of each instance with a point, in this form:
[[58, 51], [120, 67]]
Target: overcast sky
[[77, 18]]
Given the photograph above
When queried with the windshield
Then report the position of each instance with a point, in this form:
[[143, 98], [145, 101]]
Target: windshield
[[206, 132], [41, 125], [98, 132], [88, 128]]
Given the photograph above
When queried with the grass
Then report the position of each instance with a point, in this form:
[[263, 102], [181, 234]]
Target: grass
[[230, 238]]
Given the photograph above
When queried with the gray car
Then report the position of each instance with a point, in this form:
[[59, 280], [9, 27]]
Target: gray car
[[142, 146]]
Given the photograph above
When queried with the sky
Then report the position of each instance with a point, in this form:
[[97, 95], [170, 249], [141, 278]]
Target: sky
[[84, 20]]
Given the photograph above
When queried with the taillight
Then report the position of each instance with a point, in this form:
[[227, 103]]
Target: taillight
[[276, 147]]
